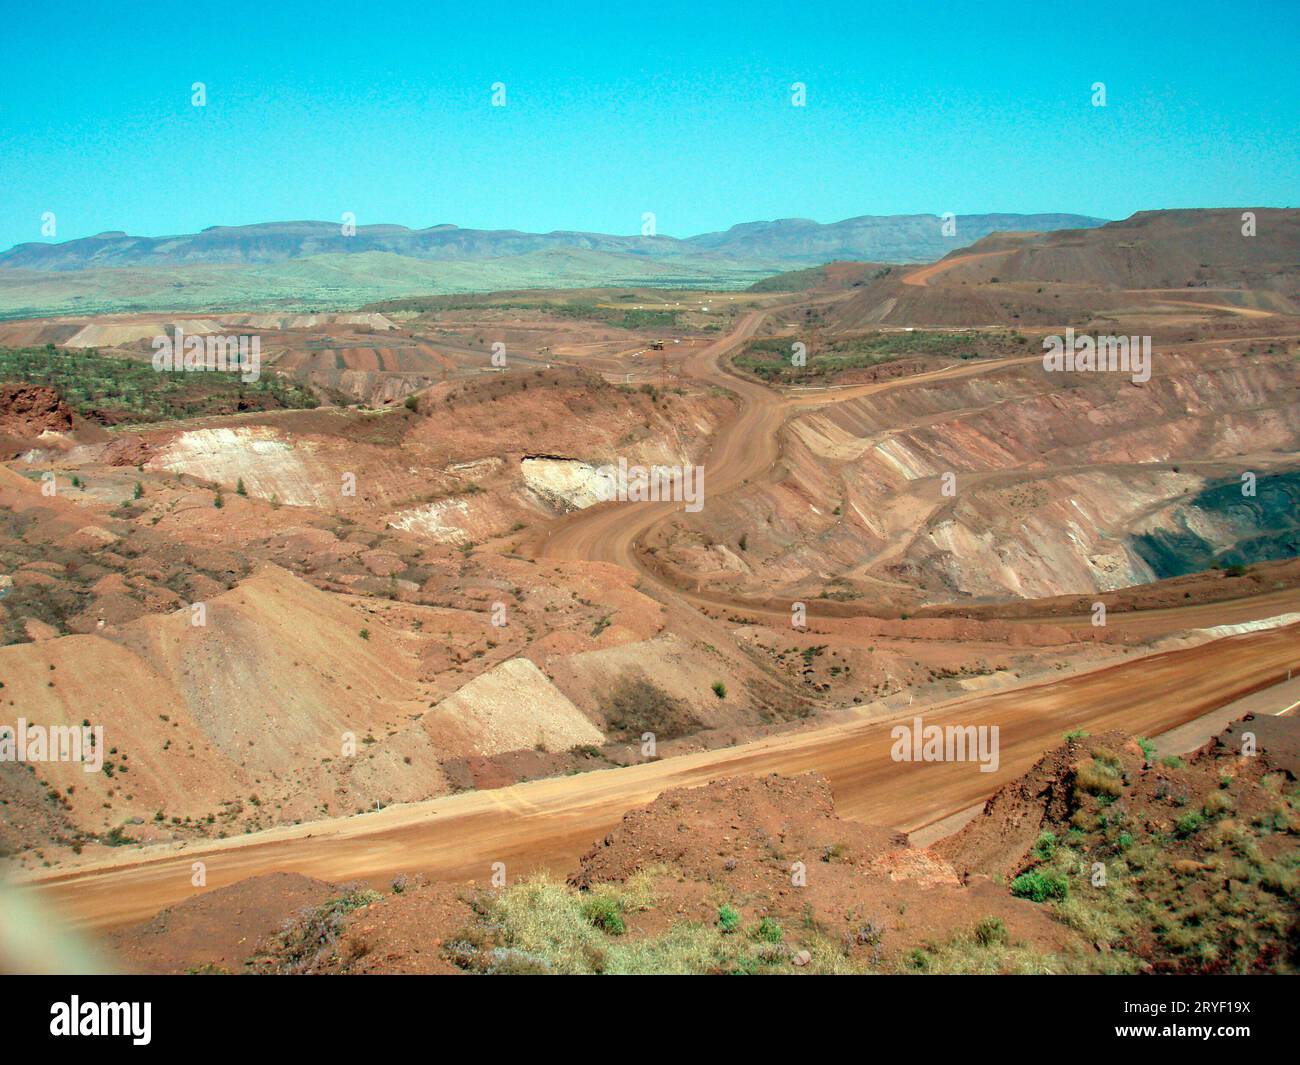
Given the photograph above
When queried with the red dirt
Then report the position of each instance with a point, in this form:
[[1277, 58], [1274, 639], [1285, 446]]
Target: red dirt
[[774, 848]]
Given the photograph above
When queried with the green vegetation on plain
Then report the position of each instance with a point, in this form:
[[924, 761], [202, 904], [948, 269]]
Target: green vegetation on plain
[[540, 926], [771, 358], [584, 309], [114, 391], [343, 281]]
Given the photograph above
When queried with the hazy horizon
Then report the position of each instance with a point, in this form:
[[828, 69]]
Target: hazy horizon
[[555, 229]]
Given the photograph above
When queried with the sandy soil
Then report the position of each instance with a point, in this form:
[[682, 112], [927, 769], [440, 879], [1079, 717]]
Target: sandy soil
[[399, 583], [548, 822]]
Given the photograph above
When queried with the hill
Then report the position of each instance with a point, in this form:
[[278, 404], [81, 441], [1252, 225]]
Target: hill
[[1158, 263], [312, 265], [896, 238], [883, 238], [1151, 249]]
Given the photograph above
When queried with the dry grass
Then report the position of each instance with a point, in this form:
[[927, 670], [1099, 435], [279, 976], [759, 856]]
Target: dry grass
[[543, 926]]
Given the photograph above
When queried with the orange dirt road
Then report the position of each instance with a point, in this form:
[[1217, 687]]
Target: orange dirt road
[[743, 448], [923, 276], [552, 822], [748, 446]]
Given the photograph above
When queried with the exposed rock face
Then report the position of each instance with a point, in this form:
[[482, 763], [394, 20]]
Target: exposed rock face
[[564, 483], [29, 410], [1056, 483], [271, 465]]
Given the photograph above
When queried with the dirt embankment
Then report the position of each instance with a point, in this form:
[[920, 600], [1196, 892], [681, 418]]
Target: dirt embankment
[[1174, 269], [1007, 482], [1096, 860], [26, 413]]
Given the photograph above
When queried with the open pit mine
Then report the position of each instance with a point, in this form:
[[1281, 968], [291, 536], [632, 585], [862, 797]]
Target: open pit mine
[[833, 623]]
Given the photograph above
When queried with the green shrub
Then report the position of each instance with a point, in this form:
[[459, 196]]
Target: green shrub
[[1216, 803], [1107, 757], [1039, 887], [111, 390], [728, 918], [1097, 778], [605, 913], [769, 931], [636, 706], [1045, 847], [719, 689], [311, 936], [1190, 823]]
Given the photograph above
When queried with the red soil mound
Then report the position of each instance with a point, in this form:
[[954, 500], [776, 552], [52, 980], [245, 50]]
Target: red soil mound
[[32, 409], [217, 930]]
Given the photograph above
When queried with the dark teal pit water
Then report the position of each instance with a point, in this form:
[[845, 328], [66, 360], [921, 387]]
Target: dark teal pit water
[[1265, 527]]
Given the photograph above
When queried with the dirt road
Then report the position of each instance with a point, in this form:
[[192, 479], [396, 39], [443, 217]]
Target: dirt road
[[552, 822], [926, 274], [748, 447], [745, 447]]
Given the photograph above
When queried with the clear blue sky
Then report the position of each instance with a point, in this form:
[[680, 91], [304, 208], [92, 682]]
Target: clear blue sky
[[683, 109]]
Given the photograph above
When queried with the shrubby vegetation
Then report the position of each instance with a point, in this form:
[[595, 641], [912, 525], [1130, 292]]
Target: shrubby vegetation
[[117, 390], [541, 926], [770, 357], [588, 310]]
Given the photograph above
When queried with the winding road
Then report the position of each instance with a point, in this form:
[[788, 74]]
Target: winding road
[[551, 822], [743, 449], [748, 446]]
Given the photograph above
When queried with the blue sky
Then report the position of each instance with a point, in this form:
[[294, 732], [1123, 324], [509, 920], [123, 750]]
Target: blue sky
[[681, 109]]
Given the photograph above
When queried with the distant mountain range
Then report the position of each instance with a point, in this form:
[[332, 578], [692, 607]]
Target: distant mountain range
[[781, 244], [313, 266]]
